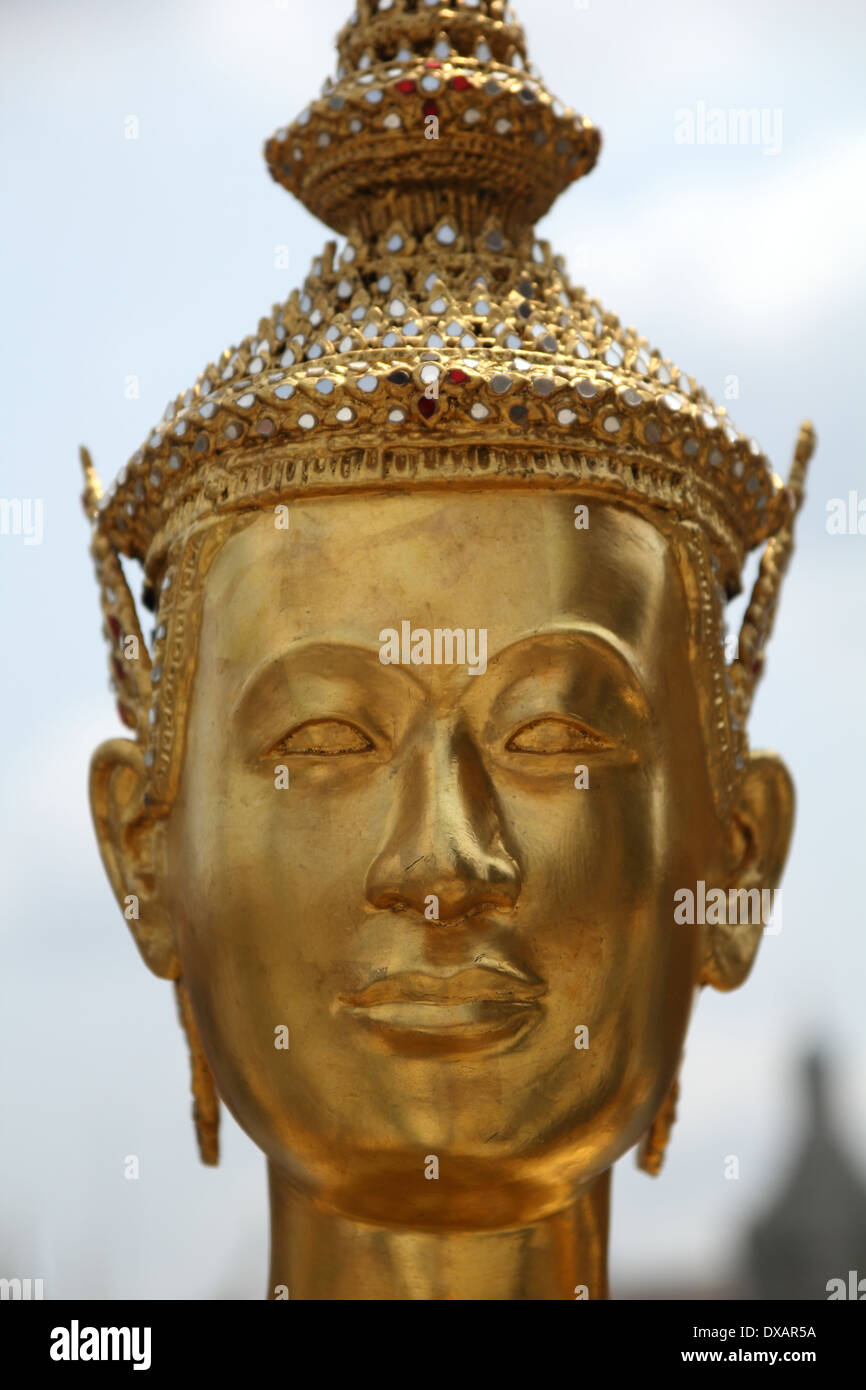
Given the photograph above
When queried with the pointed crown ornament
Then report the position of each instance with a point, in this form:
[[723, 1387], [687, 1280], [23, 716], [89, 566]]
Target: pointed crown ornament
[[442, 347]]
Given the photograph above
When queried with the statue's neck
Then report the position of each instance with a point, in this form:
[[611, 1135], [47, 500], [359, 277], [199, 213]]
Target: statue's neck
[[316, 1254]]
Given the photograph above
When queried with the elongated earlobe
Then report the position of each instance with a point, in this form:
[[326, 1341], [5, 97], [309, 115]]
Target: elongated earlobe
[[127, 836], [130, 842], [763, 819]]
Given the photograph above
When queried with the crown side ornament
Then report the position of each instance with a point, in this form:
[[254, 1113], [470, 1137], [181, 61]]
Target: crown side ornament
[[760, 615], [129, 659]]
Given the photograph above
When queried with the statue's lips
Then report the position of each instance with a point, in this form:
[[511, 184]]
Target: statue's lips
[[473, 986], [472, 1006]]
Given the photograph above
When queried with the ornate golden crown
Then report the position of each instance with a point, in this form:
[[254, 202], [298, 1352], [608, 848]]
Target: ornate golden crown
[[444, 345]]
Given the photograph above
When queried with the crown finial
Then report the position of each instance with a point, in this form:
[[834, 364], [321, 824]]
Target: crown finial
[[92, 494], [433, 114]]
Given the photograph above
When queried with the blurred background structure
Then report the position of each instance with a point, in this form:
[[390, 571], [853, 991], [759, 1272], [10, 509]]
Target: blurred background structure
[[817, 1221], [814, 1220], [142, 234]]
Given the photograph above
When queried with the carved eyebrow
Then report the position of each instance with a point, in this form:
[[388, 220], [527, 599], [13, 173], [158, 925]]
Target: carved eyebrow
[[315, 656], [347, 663], [578, 637]]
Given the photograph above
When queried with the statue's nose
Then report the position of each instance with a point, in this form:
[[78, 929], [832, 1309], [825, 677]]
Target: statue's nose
[[445, 837]]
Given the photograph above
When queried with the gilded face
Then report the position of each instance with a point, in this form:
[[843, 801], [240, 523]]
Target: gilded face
[[454, 889]]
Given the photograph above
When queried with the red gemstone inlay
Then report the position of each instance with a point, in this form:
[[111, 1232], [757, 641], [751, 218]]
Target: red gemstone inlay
[[457, 376], [461, 84], [431, 108], [758, 666], [117, 666], [432, 63], [427, 407], [407, 85], [114, 625]]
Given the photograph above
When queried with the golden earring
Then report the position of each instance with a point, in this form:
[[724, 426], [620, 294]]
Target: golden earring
[[651, 1152], [206, 1106]]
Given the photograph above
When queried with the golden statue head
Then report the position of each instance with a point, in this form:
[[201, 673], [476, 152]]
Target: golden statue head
[[440, 717]]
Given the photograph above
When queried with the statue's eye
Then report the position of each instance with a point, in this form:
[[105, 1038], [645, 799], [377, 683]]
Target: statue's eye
[[555, 736], [323, 738]]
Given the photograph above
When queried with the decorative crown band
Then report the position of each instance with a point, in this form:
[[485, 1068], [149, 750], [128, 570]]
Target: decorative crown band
[[442, 346]]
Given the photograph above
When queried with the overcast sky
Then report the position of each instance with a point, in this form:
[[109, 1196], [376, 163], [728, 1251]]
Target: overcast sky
[[145, 258]]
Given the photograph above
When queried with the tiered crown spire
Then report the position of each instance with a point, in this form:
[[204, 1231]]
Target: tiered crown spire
[[433, 112]]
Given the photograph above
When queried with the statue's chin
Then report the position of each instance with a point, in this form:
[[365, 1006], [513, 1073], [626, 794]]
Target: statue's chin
[[434, 1186]]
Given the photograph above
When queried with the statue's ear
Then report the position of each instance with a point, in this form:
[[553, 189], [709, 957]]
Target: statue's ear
[[760, 829], [131, 845]]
